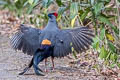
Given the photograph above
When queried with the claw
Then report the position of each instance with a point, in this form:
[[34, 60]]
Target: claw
[[35, 66], [27, 68], [37, 71]]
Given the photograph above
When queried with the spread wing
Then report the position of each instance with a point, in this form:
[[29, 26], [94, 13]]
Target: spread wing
[[26, 39], [78, 38]]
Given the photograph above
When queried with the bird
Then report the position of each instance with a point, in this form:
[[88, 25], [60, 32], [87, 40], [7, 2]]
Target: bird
[[51, 41]]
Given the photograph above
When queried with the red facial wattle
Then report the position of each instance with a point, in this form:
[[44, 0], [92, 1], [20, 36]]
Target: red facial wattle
[[55, 14]]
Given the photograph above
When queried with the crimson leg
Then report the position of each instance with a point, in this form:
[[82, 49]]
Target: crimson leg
[[52, 59], [46, 65]]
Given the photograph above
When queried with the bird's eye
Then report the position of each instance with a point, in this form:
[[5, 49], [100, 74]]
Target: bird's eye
[[61, 41], [39, 32]]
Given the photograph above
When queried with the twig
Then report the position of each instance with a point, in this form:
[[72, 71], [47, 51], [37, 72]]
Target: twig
[[1, 49]]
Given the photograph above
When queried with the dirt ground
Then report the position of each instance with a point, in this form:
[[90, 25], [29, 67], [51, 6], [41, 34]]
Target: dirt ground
[[12, 63]]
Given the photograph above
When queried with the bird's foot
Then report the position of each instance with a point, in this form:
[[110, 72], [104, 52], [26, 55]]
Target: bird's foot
[[52, 68], [26, 69], [38, 71], [46, 70]]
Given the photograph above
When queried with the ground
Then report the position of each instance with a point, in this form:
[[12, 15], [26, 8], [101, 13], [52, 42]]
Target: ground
[[13, 62]]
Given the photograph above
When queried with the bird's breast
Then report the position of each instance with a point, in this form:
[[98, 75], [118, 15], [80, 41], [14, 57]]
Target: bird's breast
[[47, 37]]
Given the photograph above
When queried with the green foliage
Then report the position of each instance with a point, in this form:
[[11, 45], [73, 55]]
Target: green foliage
[[97, 8], [73, 12], [102, 34], [15, 6], [103, 53], [99, 13], [46, 3], [104, 43]]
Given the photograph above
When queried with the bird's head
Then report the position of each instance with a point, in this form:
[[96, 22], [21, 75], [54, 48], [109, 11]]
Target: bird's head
[[52, 15]]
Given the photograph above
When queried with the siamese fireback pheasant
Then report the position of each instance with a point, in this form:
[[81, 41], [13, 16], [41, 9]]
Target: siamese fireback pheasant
[[50, 41]]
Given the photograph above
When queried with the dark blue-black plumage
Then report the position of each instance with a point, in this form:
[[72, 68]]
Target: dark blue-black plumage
[[42, 53], [29, 40]]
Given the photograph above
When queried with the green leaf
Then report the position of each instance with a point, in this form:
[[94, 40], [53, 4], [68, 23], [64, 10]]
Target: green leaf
[[60, 12], [105, 20], [31, 20], [102, 34], [25, 3], [97, 8], [95, 43], [116, 30], [111, 47], [30, 9], [92, 2], [113, 57], [31, 1], [118, 0], [73, 10], [59, 2], [73, 51], [112, 65], [46, 3], [15, 0], [3, 2], [118, 64], [107, 0], [110, 37], [84, 14], [103, 53], [73, 21]]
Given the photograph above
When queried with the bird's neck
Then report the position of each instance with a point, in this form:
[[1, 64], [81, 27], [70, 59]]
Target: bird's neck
[[52, 24]]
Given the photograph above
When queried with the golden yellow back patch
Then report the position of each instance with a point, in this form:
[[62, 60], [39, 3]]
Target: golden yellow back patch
[[46, 42]]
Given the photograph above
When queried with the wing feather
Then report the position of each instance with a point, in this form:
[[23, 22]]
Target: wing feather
[[79, 39], [26, 39], [86, 38]]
